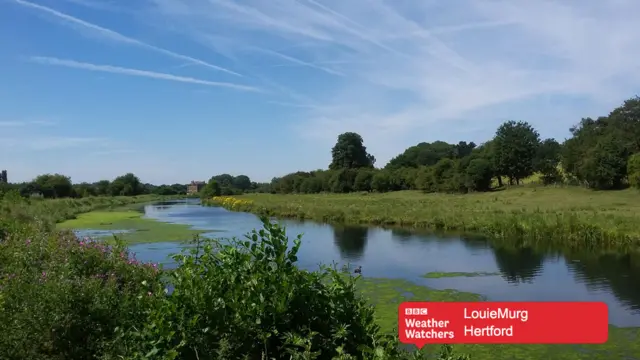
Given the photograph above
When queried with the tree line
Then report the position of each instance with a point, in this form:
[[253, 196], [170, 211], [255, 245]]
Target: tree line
[[52, 186], [602, 153]]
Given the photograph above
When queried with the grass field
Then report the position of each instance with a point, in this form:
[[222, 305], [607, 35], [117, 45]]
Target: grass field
[[387, 294], [561, 216], [141, 230]]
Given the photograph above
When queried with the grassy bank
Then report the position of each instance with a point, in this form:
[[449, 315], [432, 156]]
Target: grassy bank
[[138, 229], [568, 217], [57, 210]]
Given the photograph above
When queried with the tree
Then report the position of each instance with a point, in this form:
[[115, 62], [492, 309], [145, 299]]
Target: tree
[[225, 180], [54, 186], [211, 189], [242, 183], [350, 153], [547, 160], [363, 179], [633, 170], [478, 175], [604, 165], [516, 144], [428, 154], [102, 187], [126, 185]]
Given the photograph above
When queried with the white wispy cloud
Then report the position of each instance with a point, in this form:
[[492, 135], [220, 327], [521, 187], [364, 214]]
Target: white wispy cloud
[[83, 26], [411, 66], [136, 72]]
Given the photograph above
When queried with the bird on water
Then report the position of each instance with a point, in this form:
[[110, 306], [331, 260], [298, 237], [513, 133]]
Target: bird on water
[[358, 270]]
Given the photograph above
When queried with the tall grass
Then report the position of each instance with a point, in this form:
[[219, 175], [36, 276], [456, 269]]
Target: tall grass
[[572, 218]]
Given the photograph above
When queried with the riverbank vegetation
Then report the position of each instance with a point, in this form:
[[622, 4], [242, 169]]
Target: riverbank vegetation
[[63, 297], [17, 212], [469, 188], [572, 217]]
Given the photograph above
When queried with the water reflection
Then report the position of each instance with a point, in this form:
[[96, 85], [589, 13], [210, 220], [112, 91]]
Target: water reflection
[[351, 241], [526, 274], [619, 273], [519, 265]]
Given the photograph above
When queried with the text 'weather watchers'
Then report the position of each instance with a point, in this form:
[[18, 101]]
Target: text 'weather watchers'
[[423, 323]]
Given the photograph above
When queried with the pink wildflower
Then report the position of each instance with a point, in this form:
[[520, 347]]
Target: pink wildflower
[[28, 241]]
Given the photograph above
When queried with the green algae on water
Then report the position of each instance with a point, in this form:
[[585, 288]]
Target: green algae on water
[[140, 230], [439, 275]]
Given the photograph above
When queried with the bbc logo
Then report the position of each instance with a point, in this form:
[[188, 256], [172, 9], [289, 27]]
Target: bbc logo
[[416, 311]]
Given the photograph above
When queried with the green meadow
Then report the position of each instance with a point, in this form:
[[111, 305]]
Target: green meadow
[[563, 217]]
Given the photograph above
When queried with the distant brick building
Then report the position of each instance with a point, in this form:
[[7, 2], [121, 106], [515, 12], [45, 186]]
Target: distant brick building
[[195, 187], [3, 176]]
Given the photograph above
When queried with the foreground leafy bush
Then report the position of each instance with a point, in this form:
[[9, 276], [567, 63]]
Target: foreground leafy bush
[[62, 297]]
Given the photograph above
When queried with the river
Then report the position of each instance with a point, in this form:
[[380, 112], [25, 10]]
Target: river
[[523, 275]]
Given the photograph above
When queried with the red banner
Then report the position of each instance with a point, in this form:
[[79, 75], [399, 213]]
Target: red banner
[[422, 323]]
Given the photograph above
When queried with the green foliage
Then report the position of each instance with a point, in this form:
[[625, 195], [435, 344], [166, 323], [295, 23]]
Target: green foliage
[[515, 145], [478, 175], [595, 156], [350, 153], [211, 189], [53, 186], [605, 165], [69, 298], [428, 154], [60, 186], [126, 185], [63, 297], [633, 170], [547, 161], [362, 181], [598, 152]]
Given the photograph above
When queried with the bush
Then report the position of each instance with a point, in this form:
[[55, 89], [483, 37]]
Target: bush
[[62, 297], [248, 300]]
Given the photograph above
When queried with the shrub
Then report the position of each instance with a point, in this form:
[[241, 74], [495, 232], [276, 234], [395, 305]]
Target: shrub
[[633, 170], [63, 297], [248, 300]]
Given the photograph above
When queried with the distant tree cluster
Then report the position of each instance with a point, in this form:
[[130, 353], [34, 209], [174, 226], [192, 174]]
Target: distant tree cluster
[[52, 186], [601, 154], [226, 184]]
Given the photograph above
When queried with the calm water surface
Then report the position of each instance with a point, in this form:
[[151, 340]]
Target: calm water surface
[[525, 274]]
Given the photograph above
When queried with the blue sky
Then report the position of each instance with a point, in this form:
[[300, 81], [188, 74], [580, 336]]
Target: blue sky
[[177, 90]]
